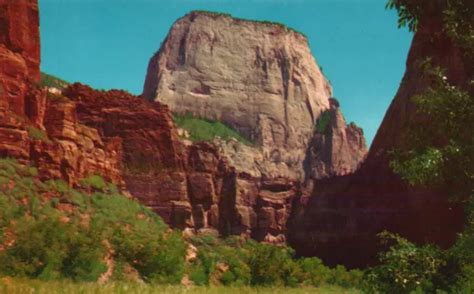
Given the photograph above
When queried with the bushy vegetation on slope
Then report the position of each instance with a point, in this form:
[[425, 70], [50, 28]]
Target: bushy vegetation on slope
[[51, 81], [51, 231], [201, 129]]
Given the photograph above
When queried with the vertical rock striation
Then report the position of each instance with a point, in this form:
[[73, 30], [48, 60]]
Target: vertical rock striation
[[259, 78]]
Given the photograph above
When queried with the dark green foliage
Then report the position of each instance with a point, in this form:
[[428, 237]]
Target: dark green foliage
[[44, 241], [206, 130], [438, 154], [408, 13], [441, 153], [272, 265], [211, 252], [257, 264], [52, 81], [323, 122], [456, 16], [405, 267]]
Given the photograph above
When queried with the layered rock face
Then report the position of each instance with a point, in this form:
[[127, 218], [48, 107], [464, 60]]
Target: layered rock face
[[344, 214], [19, 51], [259, 78], [16, 59], [191, 187], [36, 127], [336, 148]]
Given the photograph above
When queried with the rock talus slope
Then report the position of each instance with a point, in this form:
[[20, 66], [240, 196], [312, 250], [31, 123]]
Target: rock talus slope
[[259, 78]]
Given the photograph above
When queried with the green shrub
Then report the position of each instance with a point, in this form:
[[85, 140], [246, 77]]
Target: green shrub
[[314, 272], [37, 134], [206, 130], [271, 265], [211, 252], [405, 267], [258, 264], [95, 182], [342, 277], [323, 122], [52, 81]]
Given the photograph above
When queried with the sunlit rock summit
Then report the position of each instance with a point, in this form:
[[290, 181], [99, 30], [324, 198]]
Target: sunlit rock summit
[[259, 78]]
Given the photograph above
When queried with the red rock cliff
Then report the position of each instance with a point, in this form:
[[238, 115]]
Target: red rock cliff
[[190, 187], [129, 141], [38, 127]]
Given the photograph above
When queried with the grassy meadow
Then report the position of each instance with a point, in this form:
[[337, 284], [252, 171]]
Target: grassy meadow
[[20, 286]]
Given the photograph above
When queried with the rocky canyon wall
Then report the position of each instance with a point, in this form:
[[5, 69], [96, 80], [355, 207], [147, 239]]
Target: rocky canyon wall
[[344, 214], [35, 126], [259, 78], [129, 141]]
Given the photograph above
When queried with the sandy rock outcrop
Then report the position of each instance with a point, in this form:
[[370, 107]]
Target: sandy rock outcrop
[[259, 78]]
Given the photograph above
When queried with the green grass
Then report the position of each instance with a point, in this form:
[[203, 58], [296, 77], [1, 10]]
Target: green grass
[[51, 81], [20, 286], [206, 130]]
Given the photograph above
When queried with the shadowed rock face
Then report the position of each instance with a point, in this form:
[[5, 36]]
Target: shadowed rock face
[[259, 78], [339, 222]]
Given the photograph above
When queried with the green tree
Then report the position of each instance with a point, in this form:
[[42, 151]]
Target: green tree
[[439, 153]]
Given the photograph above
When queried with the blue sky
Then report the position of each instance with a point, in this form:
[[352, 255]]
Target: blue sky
[[107, 43]]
